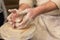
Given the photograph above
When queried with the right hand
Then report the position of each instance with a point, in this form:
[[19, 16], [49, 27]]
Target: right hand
[[27, 19]]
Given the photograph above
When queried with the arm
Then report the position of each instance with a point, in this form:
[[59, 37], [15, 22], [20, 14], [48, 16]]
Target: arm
[[23, 4], [49, 6]]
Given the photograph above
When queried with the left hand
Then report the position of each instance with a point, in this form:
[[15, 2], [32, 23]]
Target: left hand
[[13, 16]]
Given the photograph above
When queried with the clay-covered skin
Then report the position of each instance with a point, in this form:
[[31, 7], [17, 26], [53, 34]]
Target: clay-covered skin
[[16, 17]]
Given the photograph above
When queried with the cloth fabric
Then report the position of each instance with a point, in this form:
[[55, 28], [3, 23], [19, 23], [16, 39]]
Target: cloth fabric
[[47, 28], [9, 33], [3, 9]]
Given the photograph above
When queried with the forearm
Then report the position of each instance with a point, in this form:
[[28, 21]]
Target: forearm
[[47, 7], [23, 6]]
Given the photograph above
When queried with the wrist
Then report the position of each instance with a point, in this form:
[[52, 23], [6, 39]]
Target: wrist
[[35, 12]]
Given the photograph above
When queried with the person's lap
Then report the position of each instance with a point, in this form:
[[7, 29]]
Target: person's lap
[[41, 32]]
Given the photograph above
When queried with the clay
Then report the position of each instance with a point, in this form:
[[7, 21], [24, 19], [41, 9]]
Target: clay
[[9, 33]]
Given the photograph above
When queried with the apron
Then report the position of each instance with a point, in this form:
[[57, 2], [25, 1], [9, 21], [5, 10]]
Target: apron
[[48, 24]]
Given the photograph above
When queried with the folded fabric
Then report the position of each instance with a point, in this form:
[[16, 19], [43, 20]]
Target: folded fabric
[[9, 33]]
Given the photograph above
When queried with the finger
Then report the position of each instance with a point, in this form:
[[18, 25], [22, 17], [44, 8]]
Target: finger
[[12, 10], [25, 19], [9, 17], [21, 25], [18, 26], [10, 22], [15, 17], [12, 16]]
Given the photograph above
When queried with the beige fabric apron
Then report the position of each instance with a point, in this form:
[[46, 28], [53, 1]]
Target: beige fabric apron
[[48, 25], [48, 28]]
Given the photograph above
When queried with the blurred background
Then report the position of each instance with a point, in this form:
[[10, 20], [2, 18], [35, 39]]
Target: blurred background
[[11, 4], [4, 6]]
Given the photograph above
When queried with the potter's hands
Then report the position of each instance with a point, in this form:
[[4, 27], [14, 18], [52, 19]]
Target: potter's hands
[[22, 21], [26, 19], [16, 16], [13, 16]]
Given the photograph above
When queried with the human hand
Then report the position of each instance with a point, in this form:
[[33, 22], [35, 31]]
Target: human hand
[[13, 16], [26, 19]]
